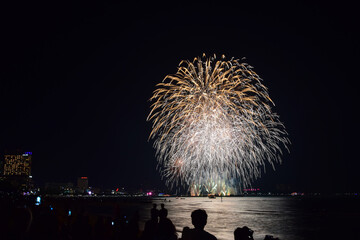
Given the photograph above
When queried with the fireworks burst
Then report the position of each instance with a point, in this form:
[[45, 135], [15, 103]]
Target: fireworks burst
[[212, 120]]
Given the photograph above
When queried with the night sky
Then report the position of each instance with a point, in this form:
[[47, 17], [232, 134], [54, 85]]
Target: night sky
[[76, 78]]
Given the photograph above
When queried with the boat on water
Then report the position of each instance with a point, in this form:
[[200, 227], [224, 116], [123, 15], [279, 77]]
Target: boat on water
[[211, 196]]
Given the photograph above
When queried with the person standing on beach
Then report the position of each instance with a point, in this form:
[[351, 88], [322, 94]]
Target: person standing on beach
[[154, 211], [163, 212], [151, 226]]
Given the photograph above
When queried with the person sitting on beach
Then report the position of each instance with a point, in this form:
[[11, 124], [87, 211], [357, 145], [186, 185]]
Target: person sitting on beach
[[243, 233], [199, 220]]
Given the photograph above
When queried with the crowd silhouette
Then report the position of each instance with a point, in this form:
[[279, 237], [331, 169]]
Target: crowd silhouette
[[60, 223]]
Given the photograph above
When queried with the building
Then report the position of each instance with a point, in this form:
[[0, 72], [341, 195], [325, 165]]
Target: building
[[18, 164], [16, 171], [59, 188], [82, 184]]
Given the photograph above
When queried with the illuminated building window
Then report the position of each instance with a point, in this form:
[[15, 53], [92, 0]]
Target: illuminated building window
[[17, 164]]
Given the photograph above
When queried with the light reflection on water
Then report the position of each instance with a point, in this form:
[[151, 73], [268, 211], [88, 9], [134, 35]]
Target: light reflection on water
[[265, 216]]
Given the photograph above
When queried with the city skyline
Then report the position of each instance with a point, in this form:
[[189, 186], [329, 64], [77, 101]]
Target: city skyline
[[76, 82]]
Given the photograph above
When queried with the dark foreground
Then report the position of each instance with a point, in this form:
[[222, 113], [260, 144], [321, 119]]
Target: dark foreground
[[124, 218]]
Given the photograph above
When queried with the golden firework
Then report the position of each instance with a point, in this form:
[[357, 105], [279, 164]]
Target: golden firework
[[213, 120]]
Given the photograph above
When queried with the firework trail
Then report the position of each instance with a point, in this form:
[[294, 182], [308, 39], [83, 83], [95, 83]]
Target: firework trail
[[212, 120]]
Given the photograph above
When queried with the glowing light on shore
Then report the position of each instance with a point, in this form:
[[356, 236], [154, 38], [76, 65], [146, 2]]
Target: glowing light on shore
[[213, 122]]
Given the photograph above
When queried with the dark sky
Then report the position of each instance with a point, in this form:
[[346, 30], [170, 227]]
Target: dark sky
[[76, 79]]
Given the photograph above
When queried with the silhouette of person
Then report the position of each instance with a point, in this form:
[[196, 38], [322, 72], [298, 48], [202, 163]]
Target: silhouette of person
[[243, 233], [151, 227], [166, 230], [154, 211], [199, 220], [163, 212]]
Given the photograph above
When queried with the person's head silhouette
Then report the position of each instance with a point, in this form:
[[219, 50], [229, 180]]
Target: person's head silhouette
[[199, 218], [243, 233]]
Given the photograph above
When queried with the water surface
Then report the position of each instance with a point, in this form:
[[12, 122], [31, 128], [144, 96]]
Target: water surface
[[283, 217]]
